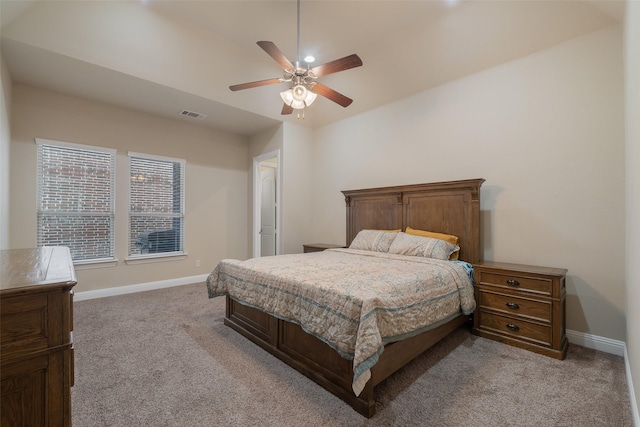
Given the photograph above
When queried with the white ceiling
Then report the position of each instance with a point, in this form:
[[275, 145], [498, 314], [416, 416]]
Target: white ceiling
[[120, 52]]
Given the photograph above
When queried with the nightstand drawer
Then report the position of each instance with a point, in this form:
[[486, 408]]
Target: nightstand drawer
[[539, 334], [542, 286], [532, 309]]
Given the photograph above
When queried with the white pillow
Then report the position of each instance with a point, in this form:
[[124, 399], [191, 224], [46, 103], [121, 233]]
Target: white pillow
[[373, 240], [408, 244]]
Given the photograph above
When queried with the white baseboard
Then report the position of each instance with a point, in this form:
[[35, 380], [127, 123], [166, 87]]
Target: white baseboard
[[607, 345], [149, 286], [632, 393], [596, 342]]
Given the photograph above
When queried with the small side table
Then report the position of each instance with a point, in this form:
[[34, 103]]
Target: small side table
[[522, 305], [319, 247]]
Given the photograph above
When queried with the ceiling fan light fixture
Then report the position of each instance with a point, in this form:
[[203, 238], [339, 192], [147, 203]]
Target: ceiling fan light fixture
[[298, 97], [287, 96], [299, 92], [310, 98]]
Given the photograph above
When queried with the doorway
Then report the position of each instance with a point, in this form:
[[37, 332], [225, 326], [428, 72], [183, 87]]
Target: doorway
[[266, 204]]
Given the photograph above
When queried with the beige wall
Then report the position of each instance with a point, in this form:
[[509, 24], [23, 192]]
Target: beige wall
[[5, 137], [216, 180], [167, 51], [295, 145], [632, 56], [545, 131], [269, 141], [297, 197]]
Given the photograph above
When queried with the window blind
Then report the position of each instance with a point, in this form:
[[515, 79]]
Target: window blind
[[76, 199], [156, 205]]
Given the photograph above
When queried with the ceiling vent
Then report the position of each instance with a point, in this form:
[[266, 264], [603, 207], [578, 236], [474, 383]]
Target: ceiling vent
[[192, 114]]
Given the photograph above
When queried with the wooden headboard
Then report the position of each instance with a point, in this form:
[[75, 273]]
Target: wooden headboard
[[451, 207]]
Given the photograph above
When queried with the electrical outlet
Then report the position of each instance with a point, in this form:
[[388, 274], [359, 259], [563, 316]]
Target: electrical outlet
[[197, 263]]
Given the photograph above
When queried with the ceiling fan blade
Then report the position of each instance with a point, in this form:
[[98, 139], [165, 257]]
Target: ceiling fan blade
[[254, 84], [273, 51], [331, 94], [286, 109], [341, 64]]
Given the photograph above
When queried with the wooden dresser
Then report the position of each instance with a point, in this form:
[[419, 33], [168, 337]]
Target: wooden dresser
[[521, 305], [36, 347]]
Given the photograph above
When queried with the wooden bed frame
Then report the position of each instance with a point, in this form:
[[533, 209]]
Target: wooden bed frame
[[447, 207]]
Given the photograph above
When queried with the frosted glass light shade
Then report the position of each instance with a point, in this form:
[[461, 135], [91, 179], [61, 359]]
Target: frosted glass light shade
[[298, 97]]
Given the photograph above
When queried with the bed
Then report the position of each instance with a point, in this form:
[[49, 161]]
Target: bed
[[342, 317]]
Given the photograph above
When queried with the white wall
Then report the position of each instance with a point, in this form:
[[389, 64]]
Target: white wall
[[632, 80], [5, 137], [545, 131], [216, 180]]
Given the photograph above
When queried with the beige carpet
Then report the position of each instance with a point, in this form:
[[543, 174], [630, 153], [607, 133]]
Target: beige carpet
[[164, 358]]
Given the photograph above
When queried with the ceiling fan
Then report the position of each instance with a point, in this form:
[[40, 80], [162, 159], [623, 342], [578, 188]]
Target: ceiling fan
[[304, 87]]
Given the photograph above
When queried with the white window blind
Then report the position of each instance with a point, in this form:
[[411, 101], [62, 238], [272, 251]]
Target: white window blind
[[76, 199], [156, 205]]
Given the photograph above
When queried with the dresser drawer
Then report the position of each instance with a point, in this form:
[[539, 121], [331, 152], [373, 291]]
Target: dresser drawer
[[24, 324], [531, 309], [543, 286], [539, 334]]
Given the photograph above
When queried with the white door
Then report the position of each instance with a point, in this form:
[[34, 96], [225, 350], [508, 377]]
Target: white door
[[268, 211]]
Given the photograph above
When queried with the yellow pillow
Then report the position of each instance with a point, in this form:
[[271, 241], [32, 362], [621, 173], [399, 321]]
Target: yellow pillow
[[446, 237]]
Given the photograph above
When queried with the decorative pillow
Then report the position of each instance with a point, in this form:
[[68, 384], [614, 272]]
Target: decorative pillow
[[407, 244], [373, 240], [446, 237]]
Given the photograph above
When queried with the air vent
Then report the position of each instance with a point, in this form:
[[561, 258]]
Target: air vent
[[192, 114]]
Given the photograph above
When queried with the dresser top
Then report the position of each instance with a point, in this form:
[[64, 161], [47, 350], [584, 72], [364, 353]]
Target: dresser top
[[36, 268]]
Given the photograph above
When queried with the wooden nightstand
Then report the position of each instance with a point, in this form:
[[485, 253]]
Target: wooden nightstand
[[521, 305], [319, 247]]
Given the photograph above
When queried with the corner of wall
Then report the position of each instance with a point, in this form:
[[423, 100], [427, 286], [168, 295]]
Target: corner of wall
[[5, 142], [632, 209]]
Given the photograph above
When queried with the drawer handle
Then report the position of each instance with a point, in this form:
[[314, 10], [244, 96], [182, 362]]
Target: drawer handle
[[513, 282], [513, 305], [513, 327]]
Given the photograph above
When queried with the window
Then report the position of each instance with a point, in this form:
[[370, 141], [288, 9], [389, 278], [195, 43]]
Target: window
[[156, 205], [76, 199]]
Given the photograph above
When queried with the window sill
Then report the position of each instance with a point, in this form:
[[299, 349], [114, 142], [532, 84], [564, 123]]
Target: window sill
[[91, 264], [144, 259]]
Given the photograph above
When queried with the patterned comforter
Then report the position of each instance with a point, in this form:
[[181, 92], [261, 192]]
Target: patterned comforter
[[354, 300]]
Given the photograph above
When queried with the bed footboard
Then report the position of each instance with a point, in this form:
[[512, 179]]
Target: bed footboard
[[319, 362]]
